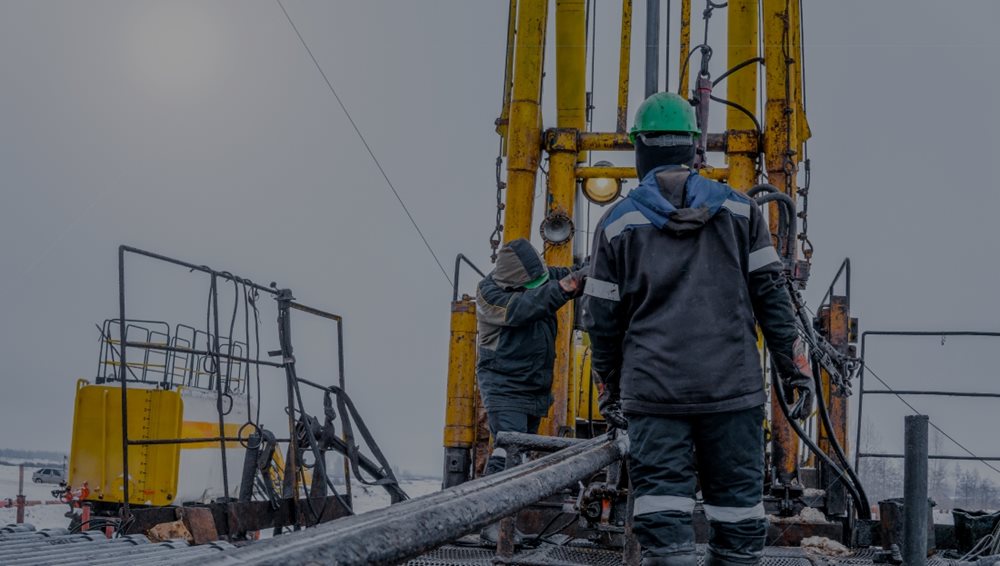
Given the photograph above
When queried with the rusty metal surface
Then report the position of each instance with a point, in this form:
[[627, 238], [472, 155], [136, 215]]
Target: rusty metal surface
[[413, 527], [236, 519]]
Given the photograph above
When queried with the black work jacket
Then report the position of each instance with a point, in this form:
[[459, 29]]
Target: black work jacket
[[517, 332], [675, 292]]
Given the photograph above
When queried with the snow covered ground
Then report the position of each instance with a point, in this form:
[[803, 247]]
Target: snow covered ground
[[52, 516]]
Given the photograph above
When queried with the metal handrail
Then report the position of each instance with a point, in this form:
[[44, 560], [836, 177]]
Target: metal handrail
[[862, 391], [458, 263]]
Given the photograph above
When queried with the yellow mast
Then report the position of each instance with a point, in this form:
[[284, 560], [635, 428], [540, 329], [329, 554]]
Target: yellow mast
[[741, 88], [524, 130], [571, 102]]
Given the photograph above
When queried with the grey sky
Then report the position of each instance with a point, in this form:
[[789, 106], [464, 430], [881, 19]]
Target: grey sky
[[202, 130]]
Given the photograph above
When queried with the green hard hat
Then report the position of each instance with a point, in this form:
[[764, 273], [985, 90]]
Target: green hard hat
[[665, 112]]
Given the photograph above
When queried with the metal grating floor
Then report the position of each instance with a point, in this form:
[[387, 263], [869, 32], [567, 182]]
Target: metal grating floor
[[551, 555]]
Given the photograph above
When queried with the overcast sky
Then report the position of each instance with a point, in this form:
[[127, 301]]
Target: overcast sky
[[202, 130]]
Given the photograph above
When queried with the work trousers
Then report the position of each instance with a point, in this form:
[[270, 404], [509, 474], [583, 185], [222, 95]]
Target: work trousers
[[506, 420], [727, 452]]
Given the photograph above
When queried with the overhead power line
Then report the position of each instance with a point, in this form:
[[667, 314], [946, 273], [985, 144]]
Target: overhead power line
[[364, 142]]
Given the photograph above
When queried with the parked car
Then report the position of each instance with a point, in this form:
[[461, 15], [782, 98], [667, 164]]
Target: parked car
[[48, 475]]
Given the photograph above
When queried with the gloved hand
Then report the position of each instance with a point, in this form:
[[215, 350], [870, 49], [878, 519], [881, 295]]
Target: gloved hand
[[573, 283], [796, 374], [609, 401]]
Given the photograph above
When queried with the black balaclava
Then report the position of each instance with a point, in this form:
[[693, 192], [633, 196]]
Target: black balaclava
[[648, 158]]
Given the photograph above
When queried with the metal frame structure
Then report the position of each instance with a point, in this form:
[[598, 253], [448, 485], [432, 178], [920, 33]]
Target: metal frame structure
[[214, 349], [914, 392]]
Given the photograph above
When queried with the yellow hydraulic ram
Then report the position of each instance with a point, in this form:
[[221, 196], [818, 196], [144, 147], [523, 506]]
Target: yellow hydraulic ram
[[460, 413]]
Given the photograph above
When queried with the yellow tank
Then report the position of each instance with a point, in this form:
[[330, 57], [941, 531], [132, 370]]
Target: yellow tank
[[159, 474]]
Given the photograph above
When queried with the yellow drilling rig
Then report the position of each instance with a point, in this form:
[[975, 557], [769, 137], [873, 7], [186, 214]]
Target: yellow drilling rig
[[572, 483]]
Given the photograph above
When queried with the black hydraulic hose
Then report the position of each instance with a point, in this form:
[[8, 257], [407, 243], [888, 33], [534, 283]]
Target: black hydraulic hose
[[732, 70], [824, 415], [787, 210], [865, 512], [755, 190]]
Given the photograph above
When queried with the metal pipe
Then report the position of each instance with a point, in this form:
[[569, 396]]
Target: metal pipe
[[666, 54], [934, 393], [524, 132], [193, 267], [508, 72], [415, 528], [562, 188], [915, 491], [443, 497], [458, 263], [933, 457], [618, 141], [343, 387], [624, 57], [523, 442], [20, 494], [123, 336], [685, 47], [460, 413], [652, 47], [742, 87], [186, 350], [218, 387]]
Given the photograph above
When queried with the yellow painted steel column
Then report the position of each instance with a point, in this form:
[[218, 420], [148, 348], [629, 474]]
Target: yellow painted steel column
[[460, 414], [524, 131], [571, 66], [508, 72], [571, 115], [741, 88], [562, 148], [781, 173], [460, 411], [624, 58], [685, 47], [840, 323]]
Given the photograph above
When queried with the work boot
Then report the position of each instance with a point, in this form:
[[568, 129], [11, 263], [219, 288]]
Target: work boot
[[682, 559]]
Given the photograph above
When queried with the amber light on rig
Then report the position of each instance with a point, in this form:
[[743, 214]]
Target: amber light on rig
[[602, 190]]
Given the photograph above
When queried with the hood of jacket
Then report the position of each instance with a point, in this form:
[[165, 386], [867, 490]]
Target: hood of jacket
[[677, 199], [517, 264]]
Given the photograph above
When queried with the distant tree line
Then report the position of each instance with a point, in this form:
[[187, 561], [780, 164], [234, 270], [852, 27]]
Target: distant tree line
[[36, 455], [950, 486]]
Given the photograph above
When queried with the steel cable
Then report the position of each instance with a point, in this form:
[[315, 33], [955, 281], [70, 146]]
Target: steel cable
[[365, 143]]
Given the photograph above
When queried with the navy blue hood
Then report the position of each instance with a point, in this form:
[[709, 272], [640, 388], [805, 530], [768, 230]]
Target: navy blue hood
[[702, 199]]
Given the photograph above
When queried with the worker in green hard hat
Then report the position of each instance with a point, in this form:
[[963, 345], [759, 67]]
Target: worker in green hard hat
[[664, 132], [682, 271]]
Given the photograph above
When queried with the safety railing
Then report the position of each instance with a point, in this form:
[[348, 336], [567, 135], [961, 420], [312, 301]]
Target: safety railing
[[862, 392], [220, 357], [169, 368]]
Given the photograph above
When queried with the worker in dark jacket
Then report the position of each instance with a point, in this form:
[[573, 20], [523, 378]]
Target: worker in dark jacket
[[682, 271], [516, 308]]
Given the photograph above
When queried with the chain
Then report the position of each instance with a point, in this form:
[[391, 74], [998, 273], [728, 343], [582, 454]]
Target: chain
[[497, 235], [788, 161], [807, 246]]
